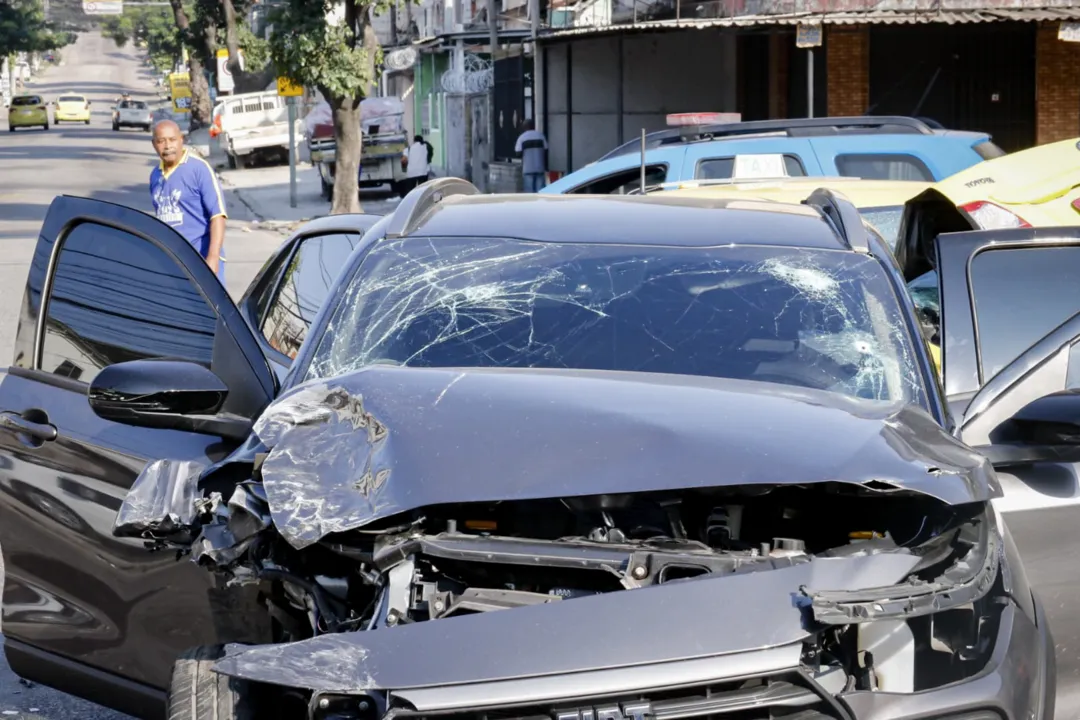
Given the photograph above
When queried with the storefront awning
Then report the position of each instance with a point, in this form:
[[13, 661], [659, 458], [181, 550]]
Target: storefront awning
[[880, 17]]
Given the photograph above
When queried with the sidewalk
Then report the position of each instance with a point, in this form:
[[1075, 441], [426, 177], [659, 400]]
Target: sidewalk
[[264, 191]]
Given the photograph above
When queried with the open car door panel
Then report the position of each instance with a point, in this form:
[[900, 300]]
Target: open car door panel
[[1010, 313], [110, 287], [1000, 292]]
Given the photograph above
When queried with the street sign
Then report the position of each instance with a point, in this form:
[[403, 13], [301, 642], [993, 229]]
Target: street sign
[[287, 88], [1069, 32], [808, 35], [103, 7], [180, 92], [225, 81]]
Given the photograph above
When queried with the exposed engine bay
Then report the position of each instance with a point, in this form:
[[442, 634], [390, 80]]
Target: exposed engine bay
[[448, 561], [893, 585]]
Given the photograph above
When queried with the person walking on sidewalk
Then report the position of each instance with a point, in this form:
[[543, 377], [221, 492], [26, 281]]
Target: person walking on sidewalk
[[417, 164], [187, 196], [533, 146]]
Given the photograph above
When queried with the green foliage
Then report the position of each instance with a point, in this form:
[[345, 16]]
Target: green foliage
[[319, 54], [23, 28], [256, 50], [153, 25]]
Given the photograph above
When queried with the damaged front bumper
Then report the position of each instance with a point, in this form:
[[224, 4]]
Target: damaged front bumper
[[682, 650]]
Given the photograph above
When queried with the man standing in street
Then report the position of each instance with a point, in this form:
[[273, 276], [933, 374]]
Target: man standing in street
[[532, 145], [416, 163], [187, 196]]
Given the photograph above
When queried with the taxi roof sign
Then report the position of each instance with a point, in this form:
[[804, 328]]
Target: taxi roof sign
[[702, 118], [287, 88]]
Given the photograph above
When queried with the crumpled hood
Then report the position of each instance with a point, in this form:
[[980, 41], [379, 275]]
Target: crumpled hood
[[385, 440]]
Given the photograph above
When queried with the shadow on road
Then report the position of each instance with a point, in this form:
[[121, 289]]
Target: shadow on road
[[20, 212], [71, 152]]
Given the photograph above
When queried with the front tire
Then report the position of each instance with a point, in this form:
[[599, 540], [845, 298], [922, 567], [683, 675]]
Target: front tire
[[46, 126], [196, 692]]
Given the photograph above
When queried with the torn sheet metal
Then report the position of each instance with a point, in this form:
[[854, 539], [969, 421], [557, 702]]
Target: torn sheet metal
[[385, 440], [161, 500], [234, 525], [488, 646]]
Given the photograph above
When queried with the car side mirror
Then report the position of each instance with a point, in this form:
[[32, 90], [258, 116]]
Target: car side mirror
[[168, 394], [1044, 430]]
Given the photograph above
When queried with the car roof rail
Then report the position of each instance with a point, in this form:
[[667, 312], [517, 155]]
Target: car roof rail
[[844, 216], [795, 127], [422, 199]]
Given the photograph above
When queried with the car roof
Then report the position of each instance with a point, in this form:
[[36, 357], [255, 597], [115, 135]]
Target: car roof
[[836, 126], [1021, 177], [660, 219], [862, 193]]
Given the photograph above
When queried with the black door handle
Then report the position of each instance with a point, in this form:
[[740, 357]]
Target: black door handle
[[16, 423]]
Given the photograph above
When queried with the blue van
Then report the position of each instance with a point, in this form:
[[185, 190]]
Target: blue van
[[872, 148]]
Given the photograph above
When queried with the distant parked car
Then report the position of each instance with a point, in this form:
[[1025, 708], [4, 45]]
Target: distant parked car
[[872, 148]]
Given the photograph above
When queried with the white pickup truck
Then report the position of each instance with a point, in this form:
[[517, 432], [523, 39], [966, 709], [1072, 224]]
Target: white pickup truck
[[253, 124], [132, 113]]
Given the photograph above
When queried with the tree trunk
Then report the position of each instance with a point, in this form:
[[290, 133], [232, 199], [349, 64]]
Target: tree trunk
[[200, 95], [210, 40], [348, 141], [243, 80]]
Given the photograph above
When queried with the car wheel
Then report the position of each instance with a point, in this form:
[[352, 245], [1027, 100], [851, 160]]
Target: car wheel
[[86, 121], [11, 128], [46, 126], [196, 692]]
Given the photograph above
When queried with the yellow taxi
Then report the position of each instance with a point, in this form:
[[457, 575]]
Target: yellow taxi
[[1038, 187], [72, 108], [880, 202], [27, 111]]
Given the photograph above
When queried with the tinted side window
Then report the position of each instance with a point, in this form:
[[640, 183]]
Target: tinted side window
[[723, 168], [303, 289], [883, 167], [1021, 295], [117, 297], [622, 183]]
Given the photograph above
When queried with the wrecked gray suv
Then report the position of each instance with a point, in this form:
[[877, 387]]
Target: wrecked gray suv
[[589, 458]]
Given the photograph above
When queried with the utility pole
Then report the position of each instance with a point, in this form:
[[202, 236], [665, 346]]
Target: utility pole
[[538, 67], [291, 101]]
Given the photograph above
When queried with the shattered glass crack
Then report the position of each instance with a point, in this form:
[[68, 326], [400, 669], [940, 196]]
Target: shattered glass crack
[[792, 316]]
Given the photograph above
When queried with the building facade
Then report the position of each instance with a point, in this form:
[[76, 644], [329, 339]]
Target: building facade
[[612, 68]]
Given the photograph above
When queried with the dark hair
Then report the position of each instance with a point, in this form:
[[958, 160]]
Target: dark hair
[[418, 138], [527, 125]]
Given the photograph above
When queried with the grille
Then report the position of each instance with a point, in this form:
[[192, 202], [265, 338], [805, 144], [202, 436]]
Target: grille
[[785, 697]]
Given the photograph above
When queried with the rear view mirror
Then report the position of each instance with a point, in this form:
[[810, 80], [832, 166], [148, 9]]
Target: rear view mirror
[[169, 394], [1044, 430]]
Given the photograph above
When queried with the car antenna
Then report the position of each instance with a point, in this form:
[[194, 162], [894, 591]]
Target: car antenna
[[642, 161]]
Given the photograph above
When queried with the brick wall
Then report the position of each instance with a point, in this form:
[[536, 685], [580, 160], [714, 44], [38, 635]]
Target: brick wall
[[847, 67], [1057, 86], [504, 177]]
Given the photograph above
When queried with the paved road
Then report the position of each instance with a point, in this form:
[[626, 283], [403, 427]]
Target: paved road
[[91, 161]]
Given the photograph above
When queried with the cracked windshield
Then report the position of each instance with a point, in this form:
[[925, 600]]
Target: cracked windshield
[[807, 318], [538, 320]]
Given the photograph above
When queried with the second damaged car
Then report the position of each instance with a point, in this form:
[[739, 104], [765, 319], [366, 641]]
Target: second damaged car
[[550, 472]]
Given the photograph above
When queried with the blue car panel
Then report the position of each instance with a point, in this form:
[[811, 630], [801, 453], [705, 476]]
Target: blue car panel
[[928, 158]]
